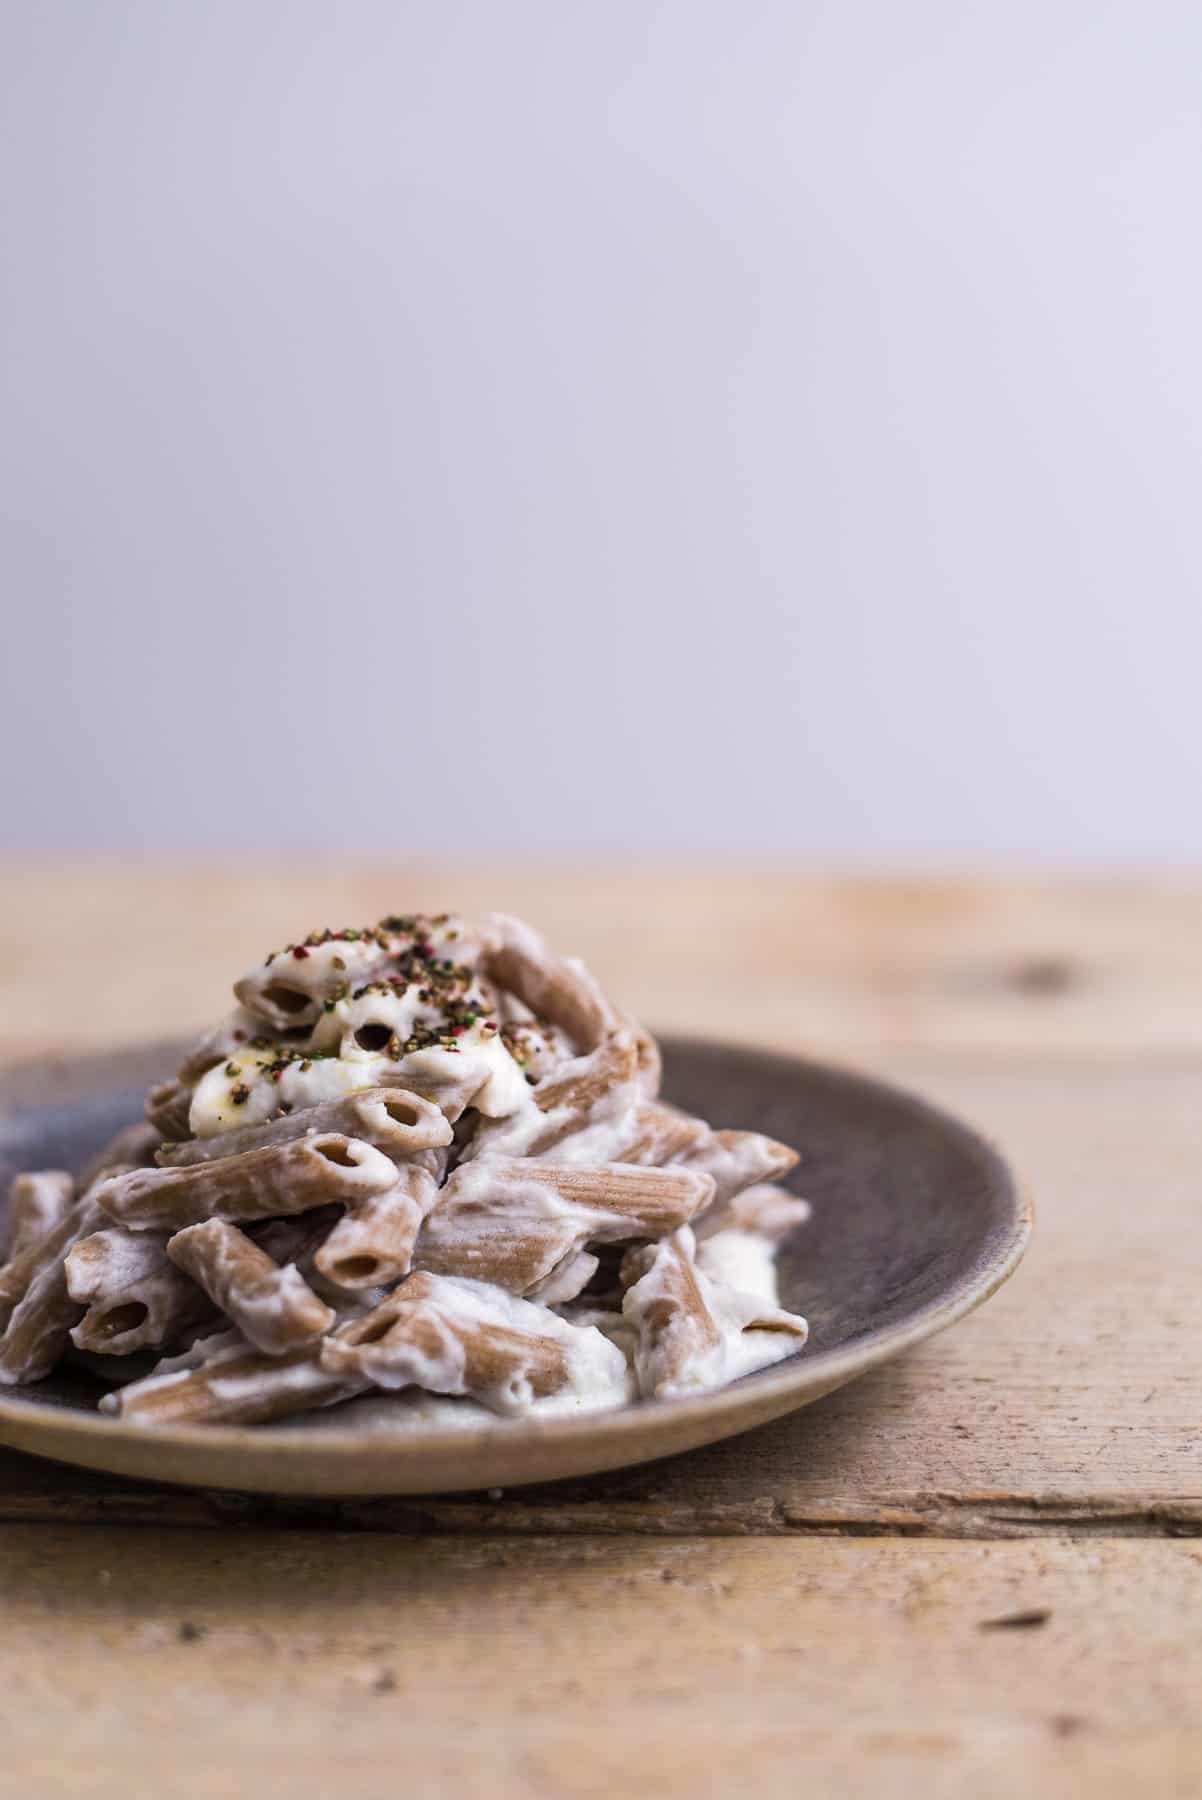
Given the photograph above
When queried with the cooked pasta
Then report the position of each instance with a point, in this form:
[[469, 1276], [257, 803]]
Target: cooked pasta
[[422, 1158]]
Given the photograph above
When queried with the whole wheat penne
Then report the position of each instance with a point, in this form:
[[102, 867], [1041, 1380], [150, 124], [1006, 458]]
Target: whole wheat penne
[[348, 1303], [658, 1134], [37, 1202], [453, 1336], [136, 1298], [762, 1209], [625, 1201], [694, 1332], [39, 1326], [620, 1127], [373, 1242], [586, 1101], [273, 1307], [553, 987], [678, 1341], [589, 1080], [516, 1248], [234, 1385], [168, 1109], [650, 1064], [290, 990], [19, 1271], [162, 1311], [736, 1159], [132, 1147], [513, 1221], [451, 1089], [391, 1119], [623, 1128], [259, 1184]]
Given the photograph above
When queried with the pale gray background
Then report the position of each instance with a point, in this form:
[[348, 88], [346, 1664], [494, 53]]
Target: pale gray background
[[714, 426]]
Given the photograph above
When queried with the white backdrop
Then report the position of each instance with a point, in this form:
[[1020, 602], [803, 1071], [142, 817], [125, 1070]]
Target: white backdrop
[[759, 427]]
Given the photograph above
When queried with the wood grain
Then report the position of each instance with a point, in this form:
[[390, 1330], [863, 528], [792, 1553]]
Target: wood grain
[[93, 954], [315, 1665], [815, 1604]]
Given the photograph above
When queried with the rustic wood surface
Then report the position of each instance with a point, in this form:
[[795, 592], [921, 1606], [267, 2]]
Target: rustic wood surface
[[810, 1603]]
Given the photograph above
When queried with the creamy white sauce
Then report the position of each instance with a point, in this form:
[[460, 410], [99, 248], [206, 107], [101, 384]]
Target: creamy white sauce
[[741, 1260], [241, 1091], [345, 1004], [218, 1105], [413, 1411], [613, 1325]]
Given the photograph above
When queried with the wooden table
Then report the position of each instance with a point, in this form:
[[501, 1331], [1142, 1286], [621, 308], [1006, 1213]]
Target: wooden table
[[976, 1571]]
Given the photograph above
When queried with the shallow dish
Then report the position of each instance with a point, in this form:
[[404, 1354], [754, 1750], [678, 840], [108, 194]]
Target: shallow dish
[[916, 1221]]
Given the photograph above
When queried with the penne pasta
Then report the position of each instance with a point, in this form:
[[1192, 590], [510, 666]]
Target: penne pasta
[[390, 1119], [553, 987], [259, 1184], [19, 1271], [585, 1084], [452, 1336], [450, 1087], [136, 1299], [513, 1221], [39, 1325], [677, 1339], [374, 1241], [764, 1210], [274, 1308], [232, 1384], [737, 1159], [694, 1332], [37, 1202], [660, 1134], [650, 1065], [290, 990], [591, 1096], [624, 1201]]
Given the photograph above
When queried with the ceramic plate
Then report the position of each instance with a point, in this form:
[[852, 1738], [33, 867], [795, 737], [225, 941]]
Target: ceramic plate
[[916, 1221]]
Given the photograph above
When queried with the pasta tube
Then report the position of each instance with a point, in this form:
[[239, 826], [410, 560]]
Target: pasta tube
[[258, 1184], [453, 1336], [274, 1308], [37, 1202]]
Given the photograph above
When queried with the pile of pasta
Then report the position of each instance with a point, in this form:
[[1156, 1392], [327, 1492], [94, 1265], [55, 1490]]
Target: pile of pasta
[[426, 1159]]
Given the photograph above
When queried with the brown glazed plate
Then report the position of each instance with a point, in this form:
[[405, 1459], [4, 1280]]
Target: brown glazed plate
[[916, 1221]]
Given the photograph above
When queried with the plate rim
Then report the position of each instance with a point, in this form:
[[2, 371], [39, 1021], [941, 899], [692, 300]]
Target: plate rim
[[616, 1434]]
